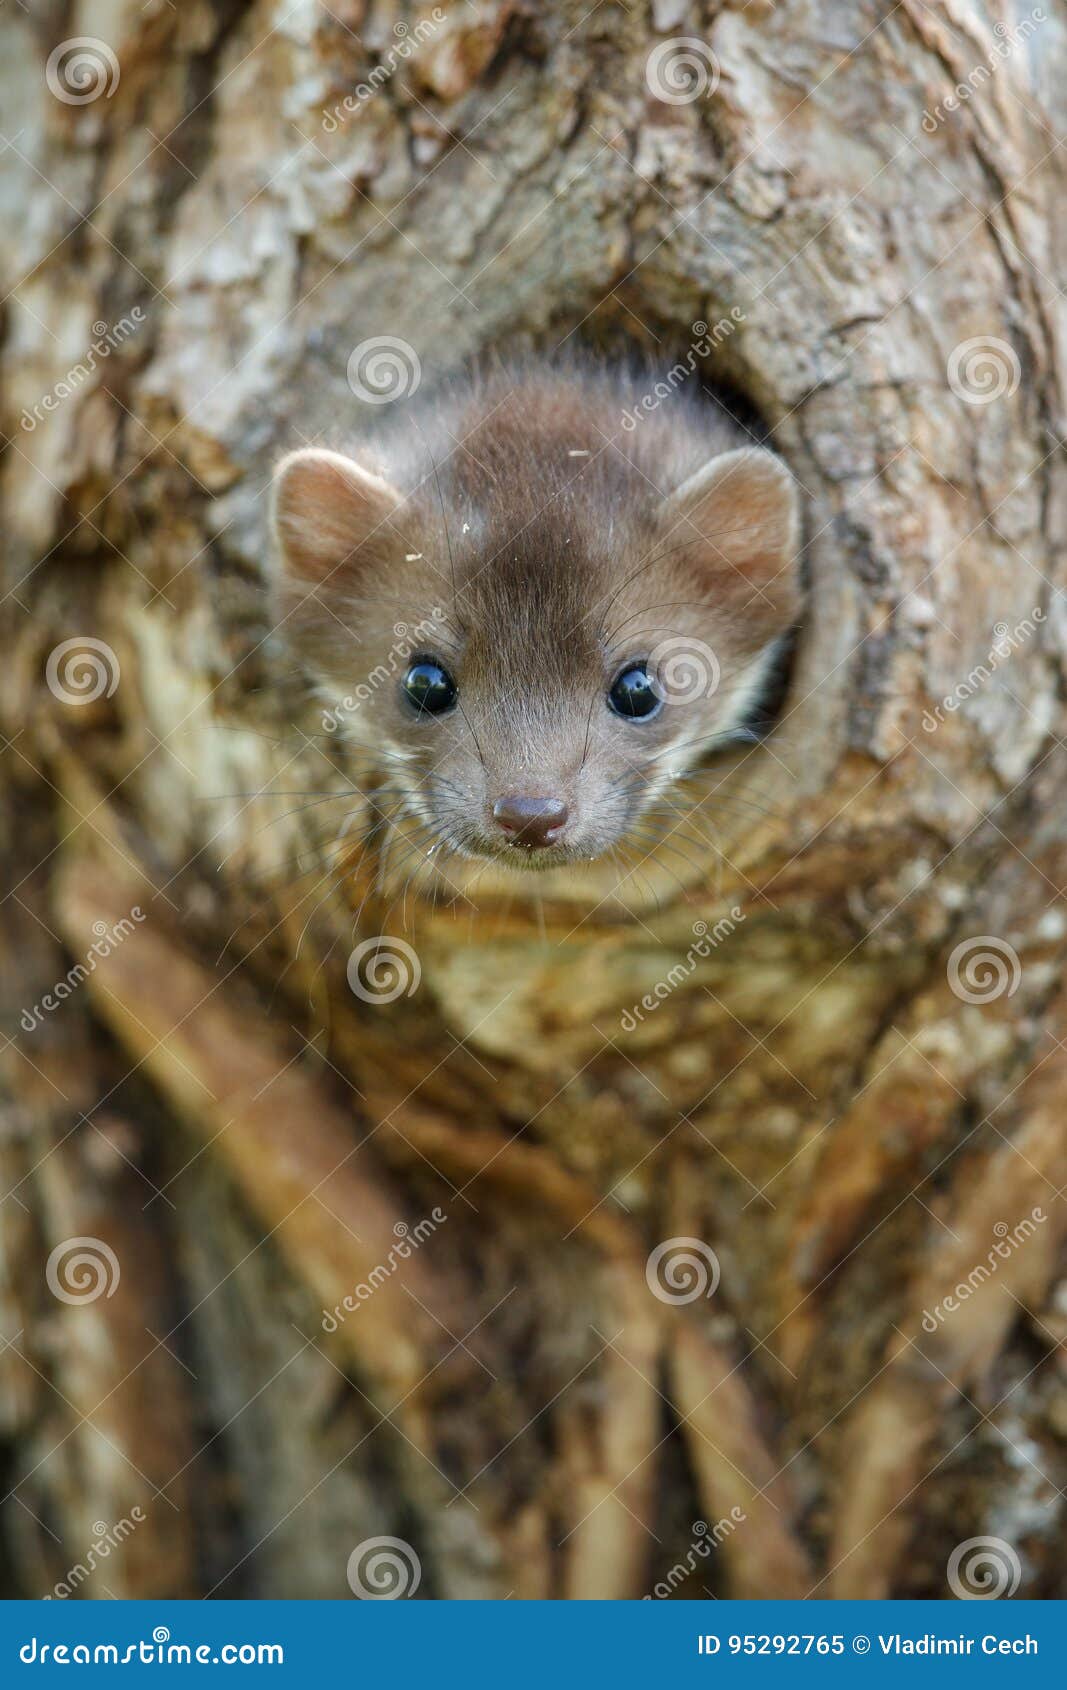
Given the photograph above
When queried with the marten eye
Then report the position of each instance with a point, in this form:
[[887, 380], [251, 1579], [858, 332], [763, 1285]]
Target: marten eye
[[429, 688], [633, 693]]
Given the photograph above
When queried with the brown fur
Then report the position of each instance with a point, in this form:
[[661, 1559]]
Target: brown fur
[[541, 545]]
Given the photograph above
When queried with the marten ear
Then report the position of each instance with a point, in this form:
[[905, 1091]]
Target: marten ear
[[325, 508], [740, 514]]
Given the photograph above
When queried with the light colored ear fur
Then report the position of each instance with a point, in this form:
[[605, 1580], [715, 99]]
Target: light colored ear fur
[[326, 507], [740, 513]]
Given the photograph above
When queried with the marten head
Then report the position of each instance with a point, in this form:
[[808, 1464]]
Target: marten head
[[541, 628]]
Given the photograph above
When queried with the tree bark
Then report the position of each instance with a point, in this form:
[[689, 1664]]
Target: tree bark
[[852, 1098]]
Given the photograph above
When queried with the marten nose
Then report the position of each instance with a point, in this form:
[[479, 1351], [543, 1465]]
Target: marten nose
[[532, 822]]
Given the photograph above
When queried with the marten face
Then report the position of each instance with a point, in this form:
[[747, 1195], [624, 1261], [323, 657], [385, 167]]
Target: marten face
[[532, 676]]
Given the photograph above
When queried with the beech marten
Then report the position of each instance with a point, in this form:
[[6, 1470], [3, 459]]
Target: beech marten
[[600, 592]]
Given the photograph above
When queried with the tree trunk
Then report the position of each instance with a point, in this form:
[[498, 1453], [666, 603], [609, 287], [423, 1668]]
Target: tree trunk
[[624, 1279]]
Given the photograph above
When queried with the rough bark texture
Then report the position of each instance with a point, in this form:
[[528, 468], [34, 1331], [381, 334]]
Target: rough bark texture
[[823, 1100]]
